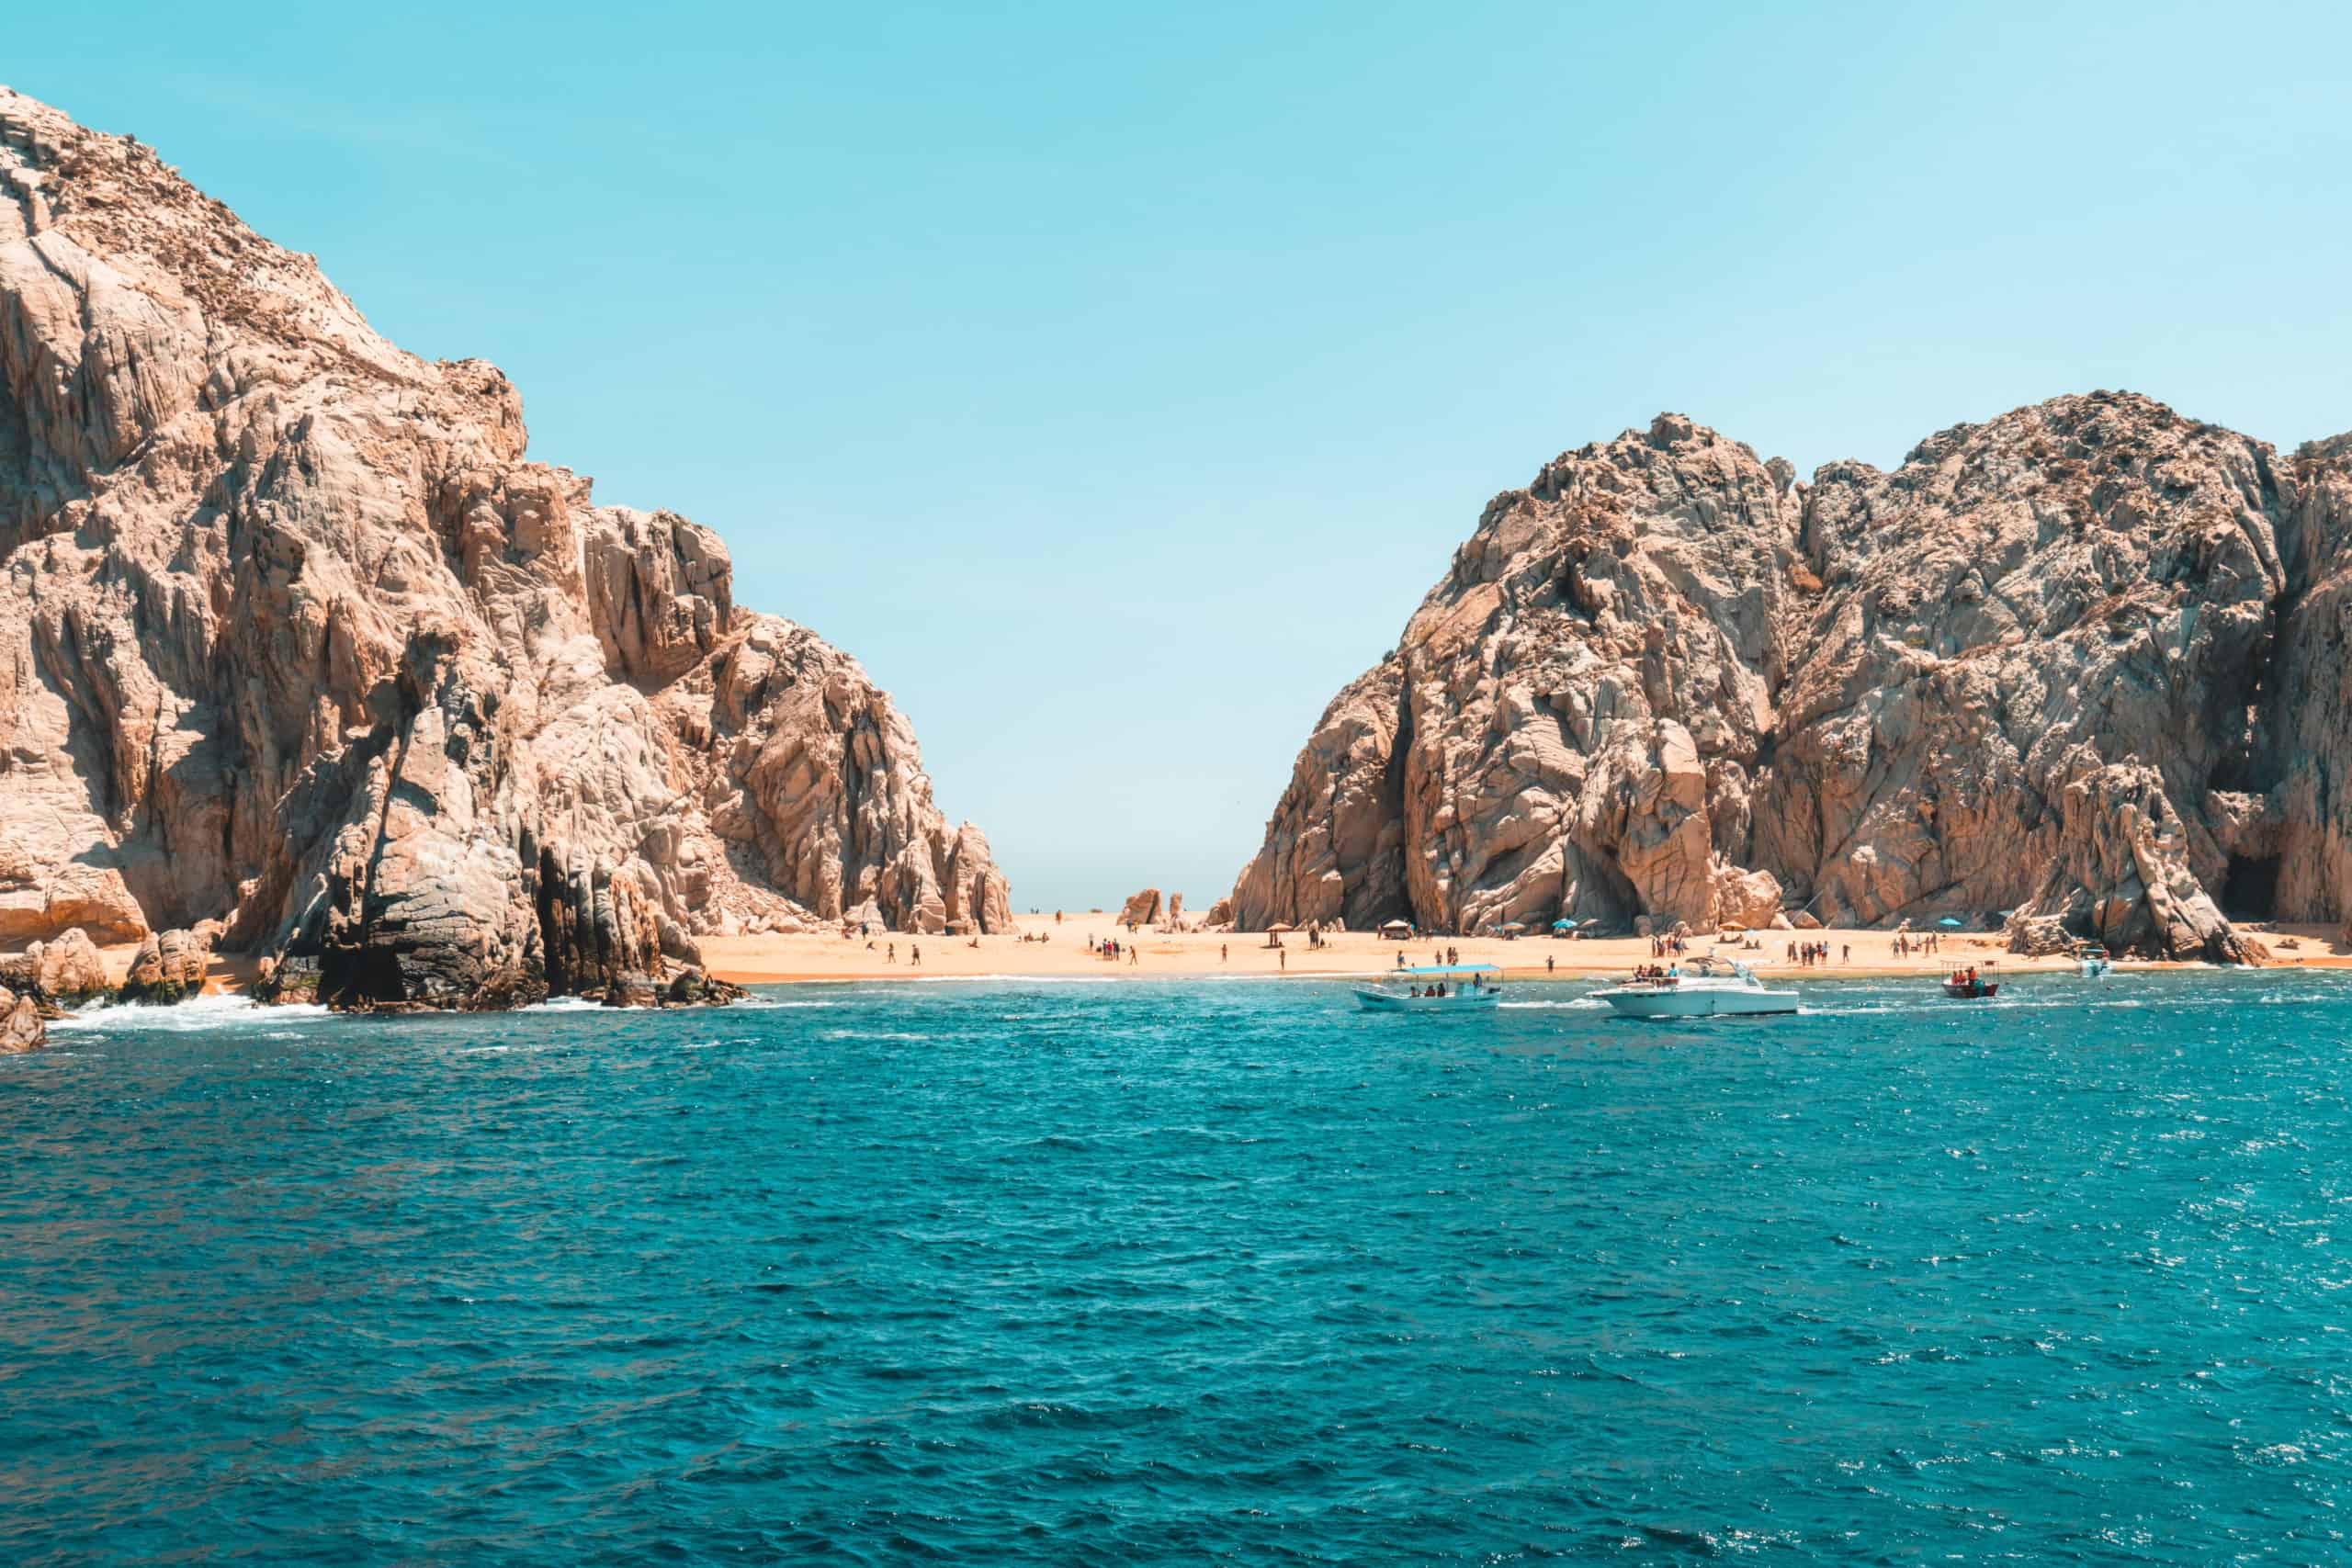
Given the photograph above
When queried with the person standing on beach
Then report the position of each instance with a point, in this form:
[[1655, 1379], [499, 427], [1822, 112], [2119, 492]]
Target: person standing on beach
[[891, 956], [915, 956], [1224, 952], [1285, 959], [1549, 964]]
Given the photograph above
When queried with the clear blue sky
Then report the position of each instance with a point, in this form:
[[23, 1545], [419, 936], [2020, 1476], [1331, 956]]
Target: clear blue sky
[[1112, 381]]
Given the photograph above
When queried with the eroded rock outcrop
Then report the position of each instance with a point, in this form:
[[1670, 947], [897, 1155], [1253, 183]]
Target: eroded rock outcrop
[[294, 638], [1141, 909], [22, 1028], [168, 967], [68, 968], [2085, 662]]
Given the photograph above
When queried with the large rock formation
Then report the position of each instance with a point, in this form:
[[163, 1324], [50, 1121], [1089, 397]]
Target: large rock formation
[[293, 637], [2087, 660]]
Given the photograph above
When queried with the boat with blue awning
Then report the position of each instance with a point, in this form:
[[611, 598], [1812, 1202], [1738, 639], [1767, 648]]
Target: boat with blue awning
[[1435, 988]]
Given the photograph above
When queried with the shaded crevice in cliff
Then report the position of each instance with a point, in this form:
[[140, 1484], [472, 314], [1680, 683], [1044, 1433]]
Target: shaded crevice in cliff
[[2303, 815]]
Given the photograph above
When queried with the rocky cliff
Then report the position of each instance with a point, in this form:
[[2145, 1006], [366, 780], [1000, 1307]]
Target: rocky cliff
[[295, 644], [2086, 660]]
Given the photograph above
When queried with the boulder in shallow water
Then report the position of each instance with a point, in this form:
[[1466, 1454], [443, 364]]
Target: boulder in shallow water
[[68, 968], [21, 1029], [169, 968], [632, 990], [291, 979], [693, 987]]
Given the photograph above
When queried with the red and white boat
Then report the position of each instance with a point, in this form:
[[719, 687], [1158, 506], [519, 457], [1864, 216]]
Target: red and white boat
[[1969, 982]]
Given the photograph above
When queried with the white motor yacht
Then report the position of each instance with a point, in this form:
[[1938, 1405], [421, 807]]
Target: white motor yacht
[[1698, 987]]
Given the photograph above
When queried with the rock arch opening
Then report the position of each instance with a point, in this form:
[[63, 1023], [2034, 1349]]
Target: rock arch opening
[[2250, 888]]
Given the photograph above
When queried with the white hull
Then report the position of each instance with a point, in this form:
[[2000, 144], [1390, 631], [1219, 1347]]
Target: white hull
[[1698, 1001]]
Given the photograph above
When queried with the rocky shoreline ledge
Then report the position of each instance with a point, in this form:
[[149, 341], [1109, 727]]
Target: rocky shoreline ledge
[[70, 973]]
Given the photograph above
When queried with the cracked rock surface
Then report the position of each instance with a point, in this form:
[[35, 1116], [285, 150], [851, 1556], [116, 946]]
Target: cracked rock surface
[[2086, 661]]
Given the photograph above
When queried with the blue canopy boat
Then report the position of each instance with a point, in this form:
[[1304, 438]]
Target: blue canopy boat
[[1436, 988]]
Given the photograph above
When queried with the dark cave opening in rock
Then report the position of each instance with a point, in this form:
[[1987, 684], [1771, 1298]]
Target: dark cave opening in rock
[[2250, 889]]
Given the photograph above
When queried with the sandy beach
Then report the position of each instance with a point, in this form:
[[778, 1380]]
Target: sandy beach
[[778, 959], [770, 959]]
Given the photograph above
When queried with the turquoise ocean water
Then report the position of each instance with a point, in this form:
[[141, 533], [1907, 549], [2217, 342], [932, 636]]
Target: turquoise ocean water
[[1133, 1272]]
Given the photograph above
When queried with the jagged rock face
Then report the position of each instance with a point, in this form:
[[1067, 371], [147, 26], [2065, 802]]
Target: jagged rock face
[[68, 967], [1141, 909], [169, 968], [2021, 607], [293, 637], [1569, 724], [61, 972], [22, 1027], [2064, 662], [1337, 843], [2300, 828]]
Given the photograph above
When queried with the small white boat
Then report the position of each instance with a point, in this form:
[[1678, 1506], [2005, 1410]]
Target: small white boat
[[1698, 987], [2094, 961], [1439, 990]]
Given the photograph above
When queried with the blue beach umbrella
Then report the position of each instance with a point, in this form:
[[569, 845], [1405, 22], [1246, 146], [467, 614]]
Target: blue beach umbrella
[[1952, 921]]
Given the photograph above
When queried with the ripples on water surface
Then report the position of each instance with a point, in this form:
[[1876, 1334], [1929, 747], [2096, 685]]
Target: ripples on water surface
[[1156, 1273]]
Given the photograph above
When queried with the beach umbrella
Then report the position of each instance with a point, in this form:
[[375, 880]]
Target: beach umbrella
[[1564, 925], [1950, 923], [1514, 926], [1732, 928], [1281, 926]]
